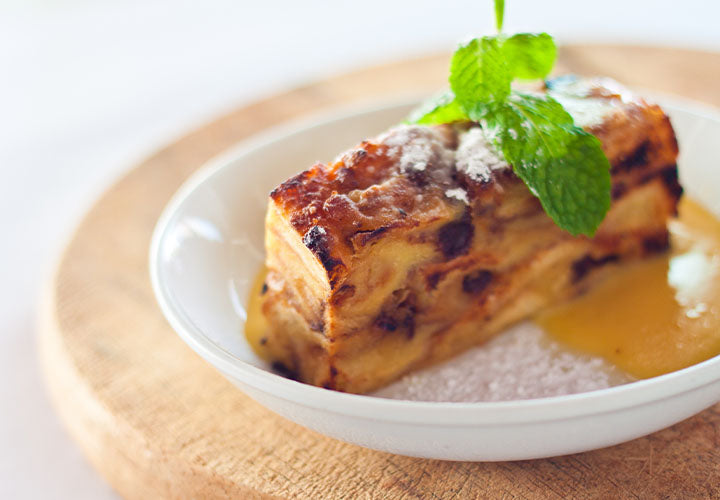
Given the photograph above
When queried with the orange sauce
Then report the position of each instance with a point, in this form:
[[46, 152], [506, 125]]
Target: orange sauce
[[654, 316]]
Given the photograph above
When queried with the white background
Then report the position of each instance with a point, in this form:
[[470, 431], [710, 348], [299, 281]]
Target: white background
[[87, 88]]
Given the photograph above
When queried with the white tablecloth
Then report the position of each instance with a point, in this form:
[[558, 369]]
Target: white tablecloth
[[87, 88]]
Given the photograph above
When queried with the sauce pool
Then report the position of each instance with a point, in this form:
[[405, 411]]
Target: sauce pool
[[654, 316]]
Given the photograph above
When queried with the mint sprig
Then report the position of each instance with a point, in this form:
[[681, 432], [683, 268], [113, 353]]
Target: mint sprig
[[479, 76], [561, 164], [530, 55], [499, 14]]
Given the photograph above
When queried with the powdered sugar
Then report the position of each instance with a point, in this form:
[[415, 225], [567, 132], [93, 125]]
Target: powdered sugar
[[522, 363], [458, 194], [578, 97], [586, 111], [476, 157], [418, 147]]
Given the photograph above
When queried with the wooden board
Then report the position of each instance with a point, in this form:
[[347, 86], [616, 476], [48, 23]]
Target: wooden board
[[159, 422]]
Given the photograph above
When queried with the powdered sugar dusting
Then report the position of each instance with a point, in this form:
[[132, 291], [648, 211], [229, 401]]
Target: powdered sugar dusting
[[522, 363], [577, 96], [458, 194], [586, 111], [476, 157], [418, 147]]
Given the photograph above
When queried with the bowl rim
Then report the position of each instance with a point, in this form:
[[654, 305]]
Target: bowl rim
[[489, 413]]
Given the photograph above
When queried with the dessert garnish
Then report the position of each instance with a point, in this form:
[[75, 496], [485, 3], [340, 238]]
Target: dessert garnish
[[561, 164]]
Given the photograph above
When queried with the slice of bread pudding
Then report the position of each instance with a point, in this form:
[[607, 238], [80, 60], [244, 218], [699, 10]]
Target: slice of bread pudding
[[418, 244]]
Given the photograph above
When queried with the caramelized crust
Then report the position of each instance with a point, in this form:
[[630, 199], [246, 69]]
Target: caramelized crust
[[420, 243]]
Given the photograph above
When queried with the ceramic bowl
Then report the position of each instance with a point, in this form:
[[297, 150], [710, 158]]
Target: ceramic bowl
[[208, 246]]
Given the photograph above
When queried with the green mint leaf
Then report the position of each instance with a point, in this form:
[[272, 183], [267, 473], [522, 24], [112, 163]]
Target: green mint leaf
[[499, 14], [440, 109], [562, 165], [529, 55], [479, 76]]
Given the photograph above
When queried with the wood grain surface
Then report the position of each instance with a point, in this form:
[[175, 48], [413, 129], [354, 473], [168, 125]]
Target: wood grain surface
[[159, 422]]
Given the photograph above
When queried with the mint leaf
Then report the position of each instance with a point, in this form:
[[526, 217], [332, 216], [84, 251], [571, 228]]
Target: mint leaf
[[563, 165], [479, 76], [530, 56], [499, 14], [440, 109]]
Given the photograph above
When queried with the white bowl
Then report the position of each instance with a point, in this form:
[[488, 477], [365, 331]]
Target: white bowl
[[208, 245]]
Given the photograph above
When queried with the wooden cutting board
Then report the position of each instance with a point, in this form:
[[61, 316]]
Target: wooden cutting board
[[159, 422]]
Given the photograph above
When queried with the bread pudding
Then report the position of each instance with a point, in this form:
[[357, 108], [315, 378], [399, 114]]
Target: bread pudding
[[421, 243]]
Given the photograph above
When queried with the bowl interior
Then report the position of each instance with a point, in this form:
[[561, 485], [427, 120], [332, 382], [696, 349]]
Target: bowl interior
[[209, 244]]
